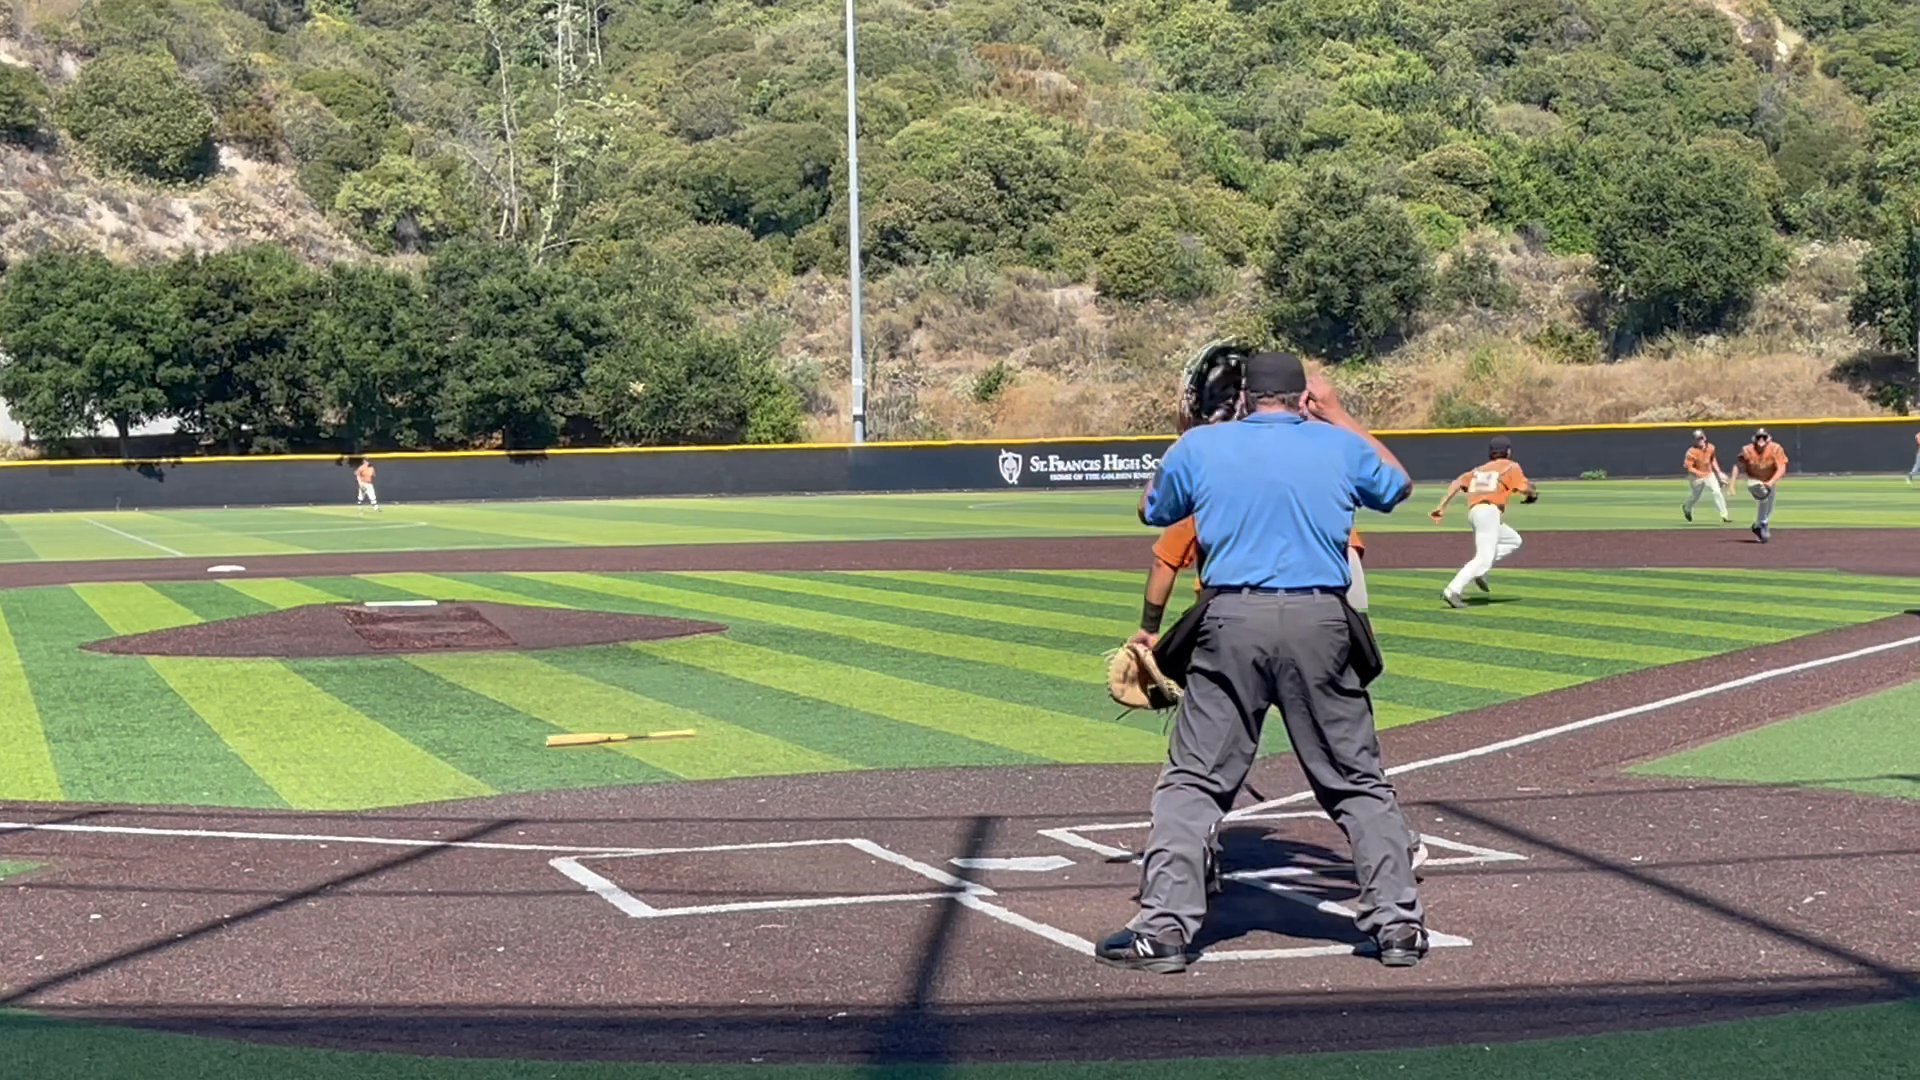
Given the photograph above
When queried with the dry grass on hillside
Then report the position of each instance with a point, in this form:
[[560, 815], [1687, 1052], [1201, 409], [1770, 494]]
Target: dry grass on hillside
[[54, 201], [1074, 365]]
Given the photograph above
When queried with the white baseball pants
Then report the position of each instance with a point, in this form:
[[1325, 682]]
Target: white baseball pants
[[1357, 590], [1764, 508], [366, 495], [1702, 485], [1493, 540]]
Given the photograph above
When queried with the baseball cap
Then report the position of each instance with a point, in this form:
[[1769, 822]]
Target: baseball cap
[[1499, 444], [1761, 434], [1275, 373], [1698, 434]]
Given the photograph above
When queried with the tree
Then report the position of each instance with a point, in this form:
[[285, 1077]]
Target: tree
[[134, 111], [247, 309], [396, 205], [518, 337], [1887, 301], [776, 180], [85, 341], [23, 106], [1686, 238], [697, 388], [1348, 270], [371, 344]]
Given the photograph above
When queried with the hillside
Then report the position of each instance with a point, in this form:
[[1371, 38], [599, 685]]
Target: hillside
[[1485, 211]]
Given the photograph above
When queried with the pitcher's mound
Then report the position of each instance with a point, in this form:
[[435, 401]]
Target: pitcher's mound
[[372, 630]]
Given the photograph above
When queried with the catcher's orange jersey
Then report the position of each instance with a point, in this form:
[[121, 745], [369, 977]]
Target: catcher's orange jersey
[[1494, 482], [1700, 460], [1765, 465], [1179, 546]]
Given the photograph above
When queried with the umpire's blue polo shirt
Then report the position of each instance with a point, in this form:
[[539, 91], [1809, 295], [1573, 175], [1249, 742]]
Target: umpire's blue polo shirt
[[1272, 497]]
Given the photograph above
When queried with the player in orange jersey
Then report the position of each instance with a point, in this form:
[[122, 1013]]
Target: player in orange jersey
[[1703, 473], [1764, 464], [1487, 489], [364, 477]]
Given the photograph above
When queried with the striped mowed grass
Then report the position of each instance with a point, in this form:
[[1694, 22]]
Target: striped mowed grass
[[411, 524], [821, 672]]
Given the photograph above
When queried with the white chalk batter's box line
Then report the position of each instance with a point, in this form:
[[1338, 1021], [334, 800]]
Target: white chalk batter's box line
[[973, 895], [1470, 854]]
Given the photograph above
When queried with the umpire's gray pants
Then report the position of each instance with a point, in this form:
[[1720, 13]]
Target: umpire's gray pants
[[1256, 650]]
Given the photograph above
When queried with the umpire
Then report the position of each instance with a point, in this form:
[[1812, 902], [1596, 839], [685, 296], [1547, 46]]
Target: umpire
[[1273, 497]]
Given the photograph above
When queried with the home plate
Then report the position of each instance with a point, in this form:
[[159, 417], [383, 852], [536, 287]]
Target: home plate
[[1033, 864], [225, 568]]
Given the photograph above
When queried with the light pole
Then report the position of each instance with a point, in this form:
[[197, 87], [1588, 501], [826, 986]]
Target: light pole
[[859, 403]]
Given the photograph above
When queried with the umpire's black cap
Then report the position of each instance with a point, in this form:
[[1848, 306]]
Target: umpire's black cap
[[1275, 373]]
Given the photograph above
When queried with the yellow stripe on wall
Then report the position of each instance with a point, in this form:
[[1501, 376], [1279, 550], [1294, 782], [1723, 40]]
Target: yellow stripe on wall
[[587, 451]]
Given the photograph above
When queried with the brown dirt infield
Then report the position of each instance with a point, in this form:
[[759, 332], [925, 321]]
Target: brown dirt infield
[[1593, 900], [358, 630], [1865, 551]]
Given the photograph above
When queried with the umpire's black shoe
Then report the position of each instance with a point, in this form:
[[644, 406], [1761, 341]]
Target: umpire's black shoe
[[1402, 945], [1132, 949]]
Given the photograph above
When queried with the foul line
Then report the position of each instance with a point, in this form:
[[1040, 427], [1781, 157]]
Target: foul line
[[1605, 718], [136, 539], [378, 841]]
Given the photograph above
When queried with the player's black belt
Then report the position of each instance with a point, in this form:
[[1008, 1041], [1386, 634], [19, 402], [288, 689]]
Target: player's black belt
[[1263, 590]]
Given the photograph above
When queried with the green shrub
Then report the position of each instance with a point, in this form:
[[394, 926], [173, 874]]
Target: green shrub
[[991, 383], [1594, 474], [1570, 344], [23, 105], [396, 205], [1461, 409], [134, 112], [1472, 279]]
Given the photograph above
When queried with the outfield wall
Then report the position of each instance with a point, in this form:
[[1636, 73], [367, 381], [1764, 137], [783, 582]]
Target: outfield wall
[[1834, 446]]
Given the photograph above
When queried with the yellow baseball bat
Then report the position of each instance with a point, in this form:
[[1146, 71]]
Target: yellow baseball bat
[[591, 738]]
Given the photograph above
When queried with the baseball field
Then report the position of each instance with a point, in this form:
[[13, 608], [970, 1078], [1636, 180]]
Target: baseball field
[[275, 796]]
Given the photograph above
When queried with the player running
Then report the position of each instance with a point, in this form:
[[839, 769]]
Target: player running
[[1915, 471], [1764, 464], [1487, 488], [364, 477], [1703, 472]]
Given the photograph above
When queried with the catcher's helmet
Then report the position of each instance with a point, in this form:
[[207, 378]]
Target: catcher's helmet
[[1211, 384]]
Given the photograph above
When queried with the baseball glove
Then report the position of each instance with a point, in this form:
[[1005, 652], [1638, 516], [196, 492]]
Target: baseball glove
[[1210, 385], [1134, 679], [1761, 491]]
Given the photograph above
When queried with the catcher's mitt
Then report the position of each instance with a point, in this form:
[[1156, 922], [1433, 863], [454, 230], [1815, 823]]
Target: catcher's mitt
[[1760, 491], [1134, 679], [1210, 385]]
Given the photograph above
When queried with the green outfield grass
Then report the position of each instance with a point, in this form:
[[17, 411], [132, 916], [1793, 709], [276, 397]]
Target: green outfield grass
[[413, 523], [816, 673], [1866, 746], [1879, 1041]]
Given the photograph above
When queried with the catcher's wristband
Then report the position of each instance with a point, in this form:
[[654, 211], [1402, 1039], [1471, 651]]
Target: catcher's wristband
[[1150, 616]]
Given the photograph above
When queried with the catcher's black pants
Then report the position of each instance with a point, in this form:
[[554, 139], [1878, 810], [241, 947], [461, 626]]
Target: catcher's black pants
[[1290, 652]]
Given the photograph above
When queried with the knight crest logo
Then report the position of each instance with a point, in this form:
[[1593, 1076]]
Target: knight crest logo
[[1009, 466]]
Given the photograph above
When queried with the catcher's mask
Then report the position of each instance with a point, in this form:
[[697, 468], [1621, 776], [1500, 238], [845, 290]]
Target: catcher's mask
[[1211, 384]]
